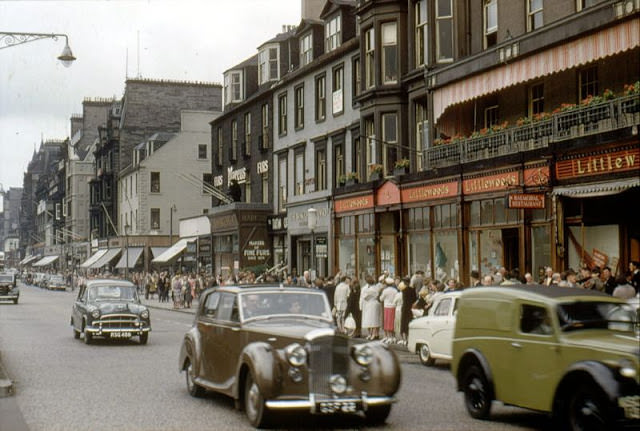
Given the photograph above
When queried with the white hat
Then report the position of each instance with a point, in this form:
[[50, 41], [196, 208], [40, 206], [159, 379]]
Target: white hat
[[389, 281], [381, 278]]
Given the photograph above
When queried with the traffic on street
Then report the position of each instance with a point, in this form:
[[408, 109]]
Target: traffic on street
[[60, 384]]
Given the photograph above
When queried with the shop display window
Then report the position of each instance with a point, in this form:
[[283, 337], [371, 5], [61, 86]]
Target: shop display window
[[419, 245], [347, 256], [445, 255], [366, 257], [540, 247], [594, 246]]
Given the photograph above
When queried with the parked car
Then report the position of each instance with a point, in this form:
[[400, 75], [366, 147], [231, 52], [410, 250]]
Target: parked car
[[570, 352], [111, 309], [56, 282], [430, 336], [9, 289], [276, 349]]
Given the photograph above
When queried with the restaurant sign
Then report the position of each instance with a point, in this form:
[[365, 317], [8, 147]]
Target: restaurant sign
[[526, 200]]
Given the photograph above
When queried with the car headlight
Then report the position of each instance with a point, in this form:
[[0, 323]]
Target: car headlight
[[363, 354], [296, 354], [95, 313], [338, 384], [627, 369], [144, 314]]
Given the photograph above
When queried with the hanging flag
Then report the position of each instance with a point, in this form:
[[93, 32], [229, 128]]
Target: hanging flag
[[441, 258]]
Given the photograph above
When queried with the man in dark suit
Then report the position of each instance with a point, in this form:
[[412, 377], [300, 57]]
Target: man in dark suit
[[634, 267]]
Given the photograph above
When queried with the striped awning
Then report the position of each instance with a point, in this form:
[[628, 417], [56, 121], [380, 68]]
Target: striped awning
[[596, 189], [47, 260], [106, 258], [173, 252], [130, 257], [604, 43], [94, 257], [28, 259]]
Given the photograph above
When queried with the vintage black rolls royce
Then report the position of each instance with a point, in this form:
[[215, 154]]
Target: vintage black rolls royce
[[111, 309], [9, 289], [275, 349]]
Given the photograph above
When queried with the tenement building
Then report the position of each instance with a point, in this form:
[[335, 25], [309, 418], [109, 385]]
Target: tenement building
[[507, 134]]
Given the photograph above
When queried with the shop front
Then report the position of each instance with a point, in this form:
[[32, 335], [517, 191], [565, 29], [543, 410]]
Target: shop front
[[596, 194], [308, 231], [355, 234], [277, 227], [240, 238]]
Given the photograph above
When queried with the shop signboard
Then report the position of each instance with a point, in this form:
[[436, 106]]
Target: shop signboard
[[490, 183], [353, 204], [526, 200], [321, 247], [600, 163]]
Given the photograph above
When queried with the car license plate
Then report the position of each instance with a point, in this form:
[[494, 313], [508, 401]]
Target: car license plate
[[631, 406], [328, 407], [120, 335]]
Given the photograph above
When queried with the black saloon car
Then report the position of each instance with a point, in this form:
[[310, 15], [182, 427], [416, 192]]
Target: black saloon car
[[111, 309], [9, 289], [275, 349]]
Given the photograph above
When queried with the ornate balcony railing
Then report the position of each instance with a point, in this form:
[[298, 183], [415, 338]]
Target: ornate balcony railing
[[579, 121]]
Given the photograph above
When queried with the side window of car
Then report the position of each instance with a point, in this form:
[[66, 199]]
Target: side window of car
[[535, 320], [443, 307], [227, 301], [211, 305]]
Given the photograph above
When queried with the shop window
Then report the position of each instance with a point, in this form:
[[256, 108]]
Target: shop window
[[366, 223], [389, 52], [421, 40], [347, 225], [366, 257], [534, 14], [540, 247], [419, 245], [347, 256], [486, 212], [490, 23], [500, 215], [321, 98], [474, 213], [445, 255]]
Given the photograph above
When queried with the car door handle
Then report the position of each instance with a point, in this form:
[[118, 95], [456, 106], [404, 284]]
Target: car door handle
[[516, 345]]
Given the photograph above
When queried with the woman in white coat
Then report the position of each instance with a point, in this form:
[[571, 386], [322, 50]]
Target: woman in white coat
[[371, 308]]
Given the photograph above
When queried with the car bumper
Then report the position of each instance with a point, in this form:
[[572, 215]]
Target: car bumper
[[10, 296], [330, 406]]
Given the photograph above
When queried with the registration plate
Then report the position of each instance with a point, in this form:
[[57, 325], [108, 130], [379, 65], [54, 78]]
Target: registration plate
[[120, 335], [328, 407], [631, 406]]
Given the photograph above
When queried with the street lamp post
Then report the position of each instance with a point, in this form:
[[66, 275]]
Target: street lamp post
[[171, 210], [312, 221], [9, 39]]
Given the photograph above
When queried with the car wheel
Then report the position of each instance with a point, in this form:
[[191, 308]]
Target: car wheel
[[477, 396], [424, 353], [195, 390], [15, 301], [377, 415], [76, 333], [88, 338], [254, 404], [144, 337], [588, 409]]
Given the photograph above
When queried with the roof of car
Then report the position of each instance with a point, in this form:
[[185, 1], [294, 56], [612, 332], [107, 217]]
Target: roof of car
[[239, 288], [109, 281], [524, 290]]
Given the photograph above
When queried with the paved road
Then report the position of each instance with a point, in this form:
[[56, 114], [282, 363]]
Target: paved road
[[62, 384]]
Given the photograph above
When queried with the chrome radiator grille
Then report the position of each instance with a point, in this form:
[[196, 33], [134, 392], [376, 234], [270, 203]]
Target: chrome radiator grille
[[4, 290], [116, 321], [327, 356]]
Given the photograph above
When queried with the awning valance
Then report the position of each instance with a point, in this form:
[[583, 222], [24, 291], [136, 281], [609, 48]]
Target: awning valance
[[47, 260], [601, 44], [28, 259], [596, 189], [130, 255], [94, 257], [106, 258], [174, 251]]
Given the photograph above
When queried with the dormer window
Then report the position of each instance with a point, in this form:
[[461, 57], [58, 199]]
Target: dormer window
[[306, 51], [233, 87], [268, 66], [332, 31]]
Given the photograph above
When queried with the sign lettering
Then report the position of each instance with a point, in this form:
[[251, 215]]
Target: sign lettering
[[601, 164], [490, 183]]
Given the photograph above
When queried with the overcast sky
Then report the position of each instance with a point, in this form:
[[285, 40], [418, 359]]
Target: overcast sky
[[188, 40]]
